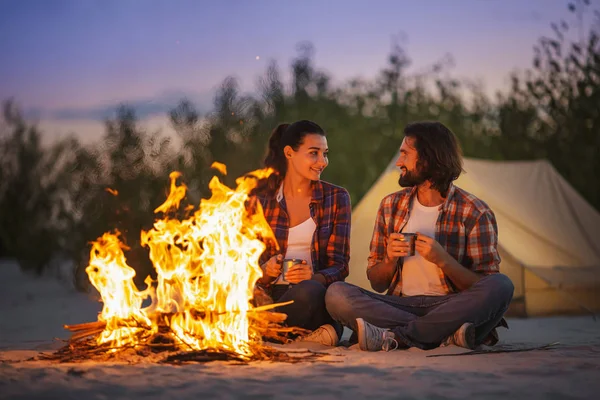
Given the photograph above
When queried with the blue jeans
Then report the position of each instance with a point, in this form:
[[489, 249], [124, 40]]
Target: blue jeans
[[308, 309], [424, 321]]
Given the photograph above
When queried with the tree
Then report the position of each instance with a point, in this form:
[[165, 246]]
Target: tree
[[118, 187], [33, 194], [564, 89]]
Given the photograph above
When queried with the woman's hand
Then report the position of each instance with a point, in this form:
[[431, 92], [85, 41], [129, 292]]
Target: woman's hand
[[272, 268], [299, 272]]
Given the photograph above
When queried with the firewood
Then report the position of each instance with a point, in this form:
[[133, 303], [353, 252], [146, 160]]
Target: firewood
[[269, 317], [85, 326], [270, 306], [83, 334]]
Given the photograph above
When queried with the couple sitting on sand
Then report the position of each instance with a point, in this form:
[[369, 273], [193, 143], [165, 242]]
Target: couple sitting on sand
[[442, 283]]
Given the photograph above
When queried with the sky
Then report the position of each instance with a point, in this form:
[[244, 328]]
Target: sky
[[69, 61]]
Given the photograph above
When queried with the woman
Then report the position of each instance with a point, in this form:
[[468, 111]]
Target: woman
[[311, 222]]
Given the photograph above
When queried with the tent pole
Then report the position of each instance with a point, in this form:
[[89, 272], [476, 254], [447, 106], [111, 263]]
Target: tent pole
[[524, 289]]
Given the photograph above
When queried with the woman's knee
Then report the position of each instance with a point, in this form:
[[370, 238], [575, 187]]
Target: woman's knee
[[308, 292]]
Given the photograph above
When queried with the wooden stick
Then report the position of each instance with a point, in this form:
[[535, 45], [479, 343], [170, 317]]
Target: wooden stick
[[270, 306], [82, 334], [268, 317], [498, 351], [101, 324], [85, 326]]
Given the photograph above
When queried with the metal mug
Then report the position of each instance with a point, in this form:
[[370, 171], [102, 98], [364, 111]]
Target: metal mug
[[411, 238], [285, 266]]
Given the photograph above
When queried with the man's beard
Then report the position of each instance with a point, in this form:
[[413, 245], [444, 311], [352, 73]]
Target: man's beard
[[410, 179]]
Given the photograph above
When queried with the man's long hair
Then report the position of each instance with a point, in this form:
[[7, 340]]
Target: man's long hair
[[439, 154]]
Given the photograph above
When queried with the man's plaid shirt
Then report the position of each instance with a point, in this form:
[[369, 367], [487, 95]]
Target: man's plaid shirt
[[331, 210], [466, 228]]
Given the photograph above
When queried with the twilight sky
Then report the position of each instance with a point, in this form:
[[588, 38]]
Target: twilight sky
[[68, 59]]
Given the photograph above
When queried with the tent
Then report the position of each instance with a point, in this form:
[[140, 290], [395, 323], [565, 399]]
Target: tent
[[549, 236]]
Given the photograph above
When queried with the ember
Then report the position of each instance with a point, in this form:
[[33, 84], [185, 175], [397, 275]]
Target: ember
[[207, 266]]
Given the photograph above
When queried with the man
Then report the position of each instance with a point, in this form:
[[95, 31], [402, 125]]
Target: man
[[449, 291]]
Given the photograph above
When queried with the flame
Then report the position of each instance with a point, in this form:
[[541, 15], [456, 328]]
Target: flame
[[206, 265], [222, 168], [109, 273]]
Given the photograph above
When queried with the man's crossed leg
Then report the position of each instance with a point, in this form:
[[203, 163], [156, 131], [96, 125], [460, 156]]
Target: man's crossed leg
[[424, 322]]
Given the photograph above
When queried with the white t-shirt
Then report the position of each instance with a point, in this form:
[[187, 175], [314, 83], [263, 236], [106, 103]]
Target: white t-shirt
[[419, 276]]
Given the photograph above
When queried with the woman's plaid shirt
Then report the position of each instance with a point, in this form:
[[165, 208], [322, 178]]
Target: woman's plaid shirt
[[466, 228], [331, 210]]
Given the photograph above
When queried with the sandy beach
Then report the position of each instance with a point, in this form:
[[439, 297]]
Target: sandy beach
[[33, 310]]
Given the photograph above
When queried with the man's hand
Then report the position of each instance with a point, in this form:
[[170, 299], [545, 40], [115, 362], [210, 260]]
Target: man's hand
[[397, 247], [272, 268], [299, 272], [431, 250]]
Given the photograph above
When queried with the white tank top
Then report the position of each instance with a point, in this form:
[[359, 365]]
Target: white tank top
[[299, 242]]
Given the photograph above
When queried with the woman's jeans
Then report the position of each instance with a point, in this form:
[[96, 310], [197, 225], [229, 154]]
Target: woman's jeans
[[308, 309], [424, 321]]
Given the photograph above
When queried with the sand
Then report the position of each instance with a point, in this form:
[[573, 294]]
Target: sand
[[33, 310]]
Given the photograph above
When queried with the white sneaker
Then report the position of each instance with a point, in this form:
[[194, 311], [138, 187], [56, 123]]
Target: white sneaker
[[463, 337], [373, 338], [325, 334]]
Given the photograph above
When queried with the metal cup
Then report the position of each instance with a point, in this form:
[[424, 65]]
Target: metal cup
[[411, 238], [285, 266]]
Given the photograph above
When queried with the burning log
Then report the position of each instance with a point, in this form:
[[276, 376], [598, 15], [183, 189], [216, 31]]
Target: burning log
[[82, 344], [266, 323]]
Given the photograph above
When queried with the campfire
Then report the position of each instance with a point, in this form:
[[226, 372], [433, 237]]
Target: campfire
[[200, 305]]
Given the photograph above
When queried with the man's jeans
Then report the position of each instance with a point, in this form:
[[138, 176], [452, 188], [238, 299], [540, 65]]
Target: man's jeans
[[424, 321]]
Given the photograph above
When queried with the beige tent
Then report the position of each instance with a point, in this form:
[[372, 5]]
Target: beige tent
[[549, 236]]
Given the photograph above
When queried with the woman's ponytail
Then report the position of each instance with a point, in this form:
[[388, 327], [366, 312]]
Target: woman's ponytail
[[275, 158]]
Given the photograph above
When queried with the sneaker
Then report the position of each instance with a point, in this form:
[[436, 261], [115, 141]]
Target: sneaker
[[373, 338], [492, 338], [463, 337], [325, 334]]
